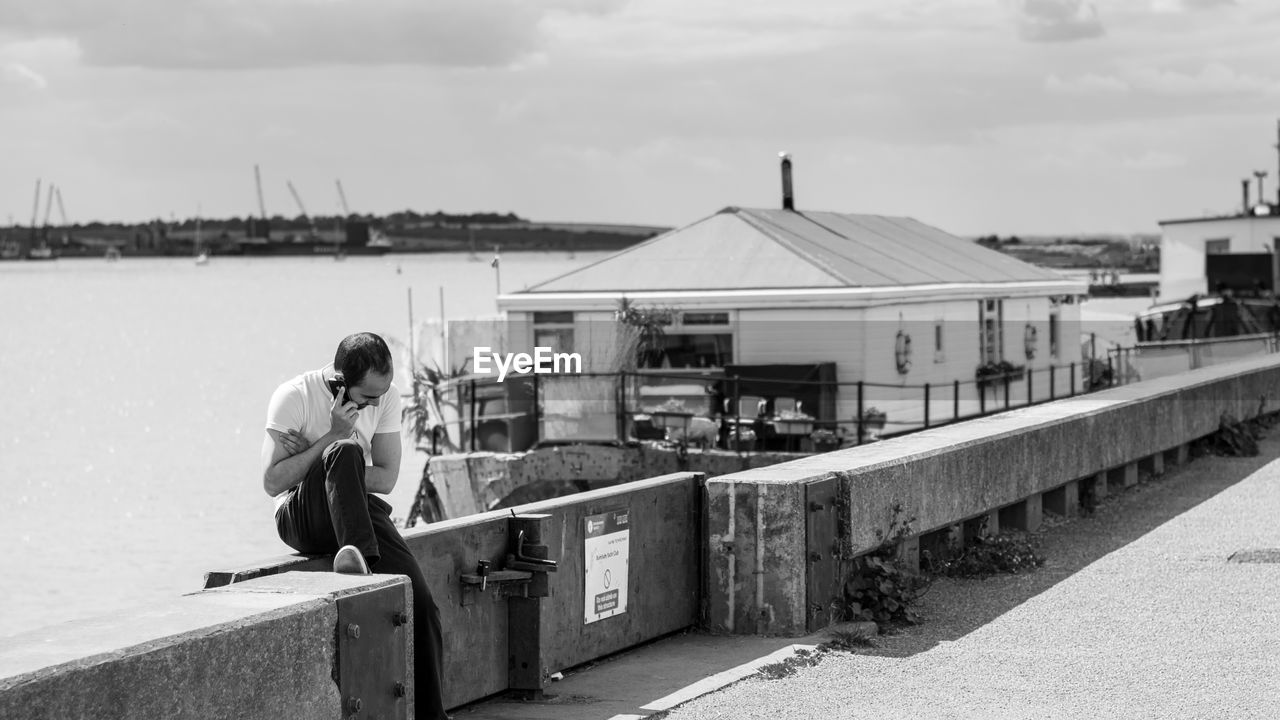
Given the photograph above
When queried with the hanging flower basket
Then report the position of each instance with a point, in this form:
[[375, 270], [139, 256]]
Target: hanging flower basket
[[993, 374]]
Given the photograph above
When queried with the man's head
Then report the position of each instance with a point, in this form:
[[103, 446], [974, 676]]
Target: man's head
[[365, 363]]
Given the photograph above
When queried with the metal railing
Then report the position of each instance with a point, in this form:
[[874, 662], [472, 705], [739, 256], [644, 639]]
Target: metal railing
[[539, 410]]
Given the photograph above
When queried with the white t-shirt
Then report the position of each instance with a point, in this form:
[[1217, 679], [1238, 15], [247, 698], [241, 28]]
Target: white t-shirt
[[303, 404]]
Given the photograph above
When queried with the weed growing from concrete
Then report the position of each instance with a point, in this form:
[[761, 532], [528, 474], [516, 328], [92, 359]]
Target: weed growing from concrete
[[848, 641], [881, 588], [788, 667], [1010, 553]]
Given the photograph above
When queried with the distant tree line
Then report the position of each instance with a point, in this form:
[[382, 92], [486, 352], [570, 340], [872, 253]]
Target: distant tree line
[[995, 241], [396, 220]]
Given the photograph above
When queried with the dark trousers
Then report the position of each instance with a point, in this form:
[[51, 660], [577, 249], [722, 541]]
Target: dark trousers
[[330, 508]]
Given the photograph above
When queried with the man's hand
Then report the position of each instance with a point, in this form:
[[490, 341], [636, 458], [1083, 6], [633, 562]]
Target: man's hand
[[293, 443], [342, 415]]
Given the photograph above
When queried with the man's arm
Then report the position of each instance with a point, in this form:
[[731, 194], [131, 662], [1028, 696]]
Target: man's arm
[[286, 457], [381, 477], [286, 466]]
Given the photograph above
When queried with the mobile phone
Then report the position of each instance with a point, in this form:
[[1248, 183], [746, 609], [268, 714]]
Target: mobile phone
[[336, 383]]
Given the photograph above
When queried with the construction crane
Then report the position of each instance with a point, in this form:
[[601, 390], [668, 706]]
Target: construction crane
[[262, 206], [342, 199], [62, 213], [262, 227], [302, 208]]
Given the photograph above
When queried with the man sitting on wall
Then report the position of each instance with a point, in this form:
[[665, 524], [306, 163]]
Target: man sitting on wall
[[333, 438]]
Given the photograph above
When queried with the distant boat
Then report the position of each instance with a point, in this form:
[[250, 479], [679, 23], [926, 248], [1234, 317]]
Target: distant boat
[[10, 251], [41, 252], [112, 254], [202, 258]]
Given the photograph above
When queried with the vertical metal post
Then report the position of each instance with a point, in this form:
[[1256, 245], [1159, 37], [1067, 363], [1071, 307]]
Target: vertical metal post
[[859, 418], [1111, 372], [620, 405], [926, 405], [737, 415], [473, 414], [1029, 388], [982, 397], [1051, 371], [537, 411], [528, 644], [955, 400], [1072, 366]]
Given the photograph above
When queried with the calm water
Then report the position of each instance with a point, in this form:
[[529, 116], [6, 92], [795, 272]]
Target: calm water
[[135, 399]]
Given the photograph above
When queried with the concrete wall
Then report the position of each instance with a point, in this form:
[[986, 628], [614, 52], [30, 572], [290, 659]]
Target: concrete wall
[[776, 536], [487, 636], [261, 649]]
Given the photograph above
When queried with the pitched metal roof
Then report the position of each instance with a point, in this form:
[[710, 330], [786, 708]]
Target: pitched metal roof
[[744, 249]]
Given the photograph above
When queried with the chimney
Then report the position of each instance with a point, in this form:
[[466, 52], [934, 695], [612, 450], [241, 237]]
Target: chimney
[[788, 199], [1260, 174], [1244, 190]]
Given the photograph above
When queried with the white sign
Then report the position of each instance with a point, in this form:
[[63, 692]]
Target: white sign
[[608, 553]]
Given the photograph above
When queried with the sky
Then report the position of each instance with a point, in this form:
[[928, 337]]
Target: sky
[[975, 116]]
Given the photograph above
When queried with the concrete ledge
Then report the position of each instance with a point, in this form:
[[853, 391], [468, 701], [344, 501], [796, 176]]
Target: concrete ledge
[[259, 649], [948, 475]]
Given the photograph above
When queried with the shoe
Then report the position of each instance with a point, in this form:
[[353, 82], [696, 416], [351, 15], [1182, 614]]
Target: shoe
[[349, 561]]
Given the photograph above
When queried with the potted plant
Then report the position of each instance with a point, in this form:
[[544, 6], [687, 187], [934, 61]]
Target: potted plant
[[873, 421], [793, 422], [824, 440]]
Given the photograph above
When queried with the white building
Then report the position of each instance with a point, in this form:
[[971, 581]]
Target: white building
[[1185, 244], [890, 301]]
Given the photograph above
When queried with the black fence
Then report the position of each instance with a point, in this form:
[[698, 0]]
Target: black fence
[[764, 412]]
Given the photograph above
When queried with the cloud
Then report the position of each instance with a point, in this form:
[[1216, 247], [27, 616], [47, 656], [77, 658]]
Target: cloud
[[1056, 20], [1204, 4], [1153, 160], [1088, 84], [256, 34], [1213, 79], [23, 76]]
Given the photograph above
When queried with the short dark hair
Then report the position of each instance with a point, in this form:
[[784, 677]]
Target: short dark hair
[[358, 354]]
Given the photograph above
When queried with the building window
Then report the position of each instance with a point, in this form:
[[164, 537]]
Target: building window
[[690, 350], [991, 330], [705, 318], [1217, 247], [553, 330]]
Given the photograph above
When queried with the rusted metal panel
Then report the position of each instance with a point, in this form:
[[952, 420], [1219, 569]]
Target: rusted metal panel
[[662, 576], [373, 654], [823, 587]]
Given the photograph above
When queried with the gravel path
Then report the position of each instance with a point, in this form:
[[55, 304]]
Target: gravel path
[[1136, 614]]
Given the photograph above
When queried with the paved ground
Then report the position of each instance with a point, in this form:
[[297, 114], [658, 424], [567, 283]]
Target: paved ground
[[1136, 614]]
